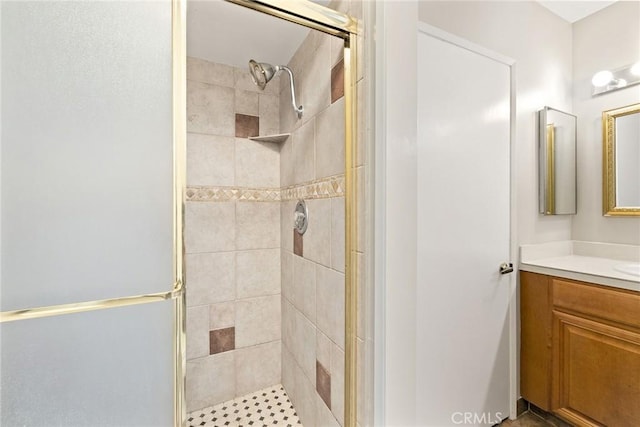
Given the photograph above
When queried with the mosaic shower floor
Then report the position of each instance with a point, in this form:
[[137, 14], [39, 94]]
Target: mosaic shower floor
[[267, 407]]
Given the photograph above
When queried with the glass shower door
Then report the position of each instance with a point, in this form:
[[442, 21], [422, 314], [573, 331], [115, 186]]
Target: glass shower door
[[88, 259]]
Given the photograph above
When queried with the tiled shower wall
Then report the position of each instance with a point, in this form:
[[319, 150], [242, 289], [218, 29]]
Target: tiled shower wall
[[232, 237], [309, 165], [313, 279]]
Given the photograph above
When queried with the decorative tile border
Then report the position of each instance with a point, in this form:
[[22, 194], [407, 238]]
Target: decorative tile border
[[324, 188], [226, 194]]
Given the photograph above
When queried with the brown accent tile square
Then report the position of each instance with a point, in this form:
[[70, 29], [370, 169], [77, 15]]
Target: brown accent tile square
[[297, 243], [221, 340], [247, 126], [337, 81], [323, 384]]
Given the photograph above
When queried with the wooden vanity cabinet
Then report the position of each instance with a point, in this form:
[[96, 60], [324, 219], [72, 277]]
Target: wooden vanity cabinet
[[580, 350]]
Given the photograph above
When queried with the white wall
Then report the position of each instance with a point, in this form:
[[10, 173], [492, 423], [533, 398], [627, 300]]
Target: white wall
[[608, 39], [396, 213], [540, 43]]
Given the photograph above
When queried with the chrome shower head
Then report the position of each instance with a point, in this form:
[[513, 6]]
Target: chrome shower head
[[262, 73]]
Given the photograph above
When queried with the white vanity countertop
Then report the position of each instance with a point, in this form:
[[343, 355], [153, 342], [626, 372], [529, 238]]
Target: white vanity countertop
[[585, 261]]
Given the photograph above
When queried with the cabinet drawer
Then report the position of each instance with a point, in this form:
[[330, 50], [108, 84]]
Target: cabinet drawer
[[609, 304]]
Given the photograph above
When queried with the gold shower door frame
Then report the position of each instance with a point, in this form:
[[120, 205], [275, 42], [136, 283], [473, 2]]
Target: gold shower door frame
[[329, 21], [304, 13]]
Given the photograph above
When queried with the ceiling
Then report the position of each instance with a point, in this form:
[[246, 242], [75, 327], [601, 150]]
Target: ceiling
[[226, 33], [572, 11]]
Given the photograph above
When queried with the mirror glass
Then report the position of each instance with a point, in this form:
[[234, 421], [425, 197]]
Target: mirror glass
[[557, 155], [621, 192]]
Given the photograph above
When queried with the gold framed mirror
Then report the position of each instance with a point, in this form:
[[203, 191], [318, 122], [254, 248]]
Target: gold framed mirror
[[621, 161]]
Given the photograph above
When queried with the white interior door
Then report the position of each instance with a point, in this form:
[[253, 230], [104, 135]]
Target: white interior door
[[463, 235]]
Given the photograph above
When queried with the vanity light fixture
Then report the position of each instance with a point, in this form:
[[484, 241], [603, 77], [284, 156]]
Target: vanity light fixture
[[607, 81], [602, 78]]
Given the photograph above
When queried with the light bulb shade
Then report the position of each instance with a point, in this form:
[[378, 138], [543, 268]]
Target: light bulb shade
[[602, 78], [620, 83], [635, 69]]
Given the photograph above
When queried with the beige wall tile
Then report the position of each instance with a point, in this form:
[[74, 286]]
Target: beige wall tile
[[316, 81], [317, 239], [247, 103], [323, 349], [210, 160], [222, 315], [210, 109], [337, 234], [210, 380], [257, 163], [337, 383], [210, 227], [330, 304], [286, 277], [258, 225], [304, 168], [304, 287], [287, 176], [287, 209], [324, 417], [203, 71], [337, 49], [305, 346], [330, 140], [257, 273], [288, 118], [288, 373], [306, 400], [288, 325], [258, 367], [197, 331], [243, 81], [257, 320], [296, 375], [269, 112], [210, 278]]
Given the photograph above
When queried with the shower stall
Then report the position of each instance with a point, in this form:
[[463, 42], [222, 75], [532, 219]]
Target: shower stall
[[265, 221]]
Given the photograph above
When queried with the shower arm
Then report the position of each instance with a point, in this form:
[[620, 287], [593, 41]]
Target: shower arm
[[293, 91]]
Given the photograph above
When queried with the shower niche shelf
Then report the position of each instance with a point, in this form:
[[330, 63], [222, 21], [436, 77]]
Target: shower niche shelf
[[279, 138]]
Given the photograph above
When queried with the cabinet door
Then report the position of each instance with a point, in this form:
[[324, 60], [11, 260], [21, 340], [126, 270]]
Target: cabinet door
[[535, 339], [596, 377]]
